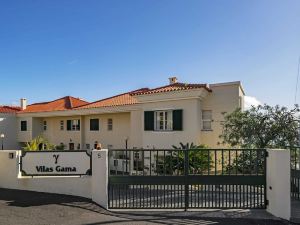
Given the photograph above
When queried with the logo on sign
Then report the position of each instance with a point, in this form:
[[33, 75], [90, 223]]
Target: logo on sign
[[45, 169]]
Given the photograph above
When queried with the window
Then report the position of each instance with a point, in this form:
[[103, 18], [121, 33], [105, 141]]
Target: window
[[62, 124], [23, 125], [94, 124], [73, 125], [109, 124], [206, 119], [163, 120], [169, 120], [45, 125]]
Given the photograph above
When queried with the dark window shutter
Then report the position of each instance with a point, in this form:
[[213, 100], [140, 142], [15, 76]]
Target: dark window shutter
[[78, 124], [68, 124], [149, 120], [177, 119]]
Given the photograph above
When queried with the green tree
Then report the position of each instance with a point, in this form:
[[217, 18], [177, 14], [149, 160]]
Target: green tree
[[198, 156], [261, 127], [38, 144]]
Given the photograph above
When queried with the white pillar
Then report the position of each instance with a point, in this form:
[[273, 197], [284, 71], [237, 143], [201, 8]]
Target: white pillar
[[100, 177], [279, 183]]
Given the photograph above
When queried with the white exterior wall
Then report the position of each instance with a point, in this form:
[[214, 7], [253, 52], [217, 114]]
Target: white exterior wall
[[128, 121], [10, 178], [56, 136], [279, 183], [8, 127], [116, 137], [223, 98], [165, 139], [24, 136]]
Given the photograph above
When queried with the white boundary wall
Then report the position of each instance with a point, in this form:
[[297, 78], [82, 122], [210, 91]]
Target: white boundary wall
[[93, 187], [279, 183]]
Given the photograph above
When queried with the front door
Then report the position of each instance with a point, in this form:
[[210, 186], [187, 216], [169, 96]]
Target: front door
[[71, 146]]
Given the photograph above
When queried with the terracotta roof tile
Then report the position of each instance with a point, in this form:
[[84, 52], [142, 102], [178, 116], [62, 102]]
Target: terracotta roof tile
[[174, 87], [122, 99], [128, 98], [64, 103], [9, 109]]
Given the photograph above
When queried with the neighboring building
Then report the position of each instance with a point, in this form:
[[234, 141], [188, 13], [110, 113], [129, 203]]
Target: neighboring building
[[143, 118], [8, 127]]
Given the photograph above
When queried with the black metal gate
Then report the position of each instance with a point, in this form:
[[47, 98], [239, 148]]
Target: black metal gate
[[295, 172], [182, 179]]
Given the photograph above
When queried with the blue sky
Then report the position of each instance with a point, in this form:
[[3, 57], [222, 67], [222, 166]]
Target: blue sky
[[95, 49]]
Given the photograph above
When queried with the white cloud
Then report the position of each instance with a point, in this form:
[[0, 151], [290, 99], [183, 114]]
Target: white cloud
[[251, 101]]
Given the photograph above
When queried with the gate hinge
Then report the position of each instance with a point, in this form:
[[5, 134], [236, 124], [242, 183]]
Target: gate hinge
[[267, 154], [267, 202]]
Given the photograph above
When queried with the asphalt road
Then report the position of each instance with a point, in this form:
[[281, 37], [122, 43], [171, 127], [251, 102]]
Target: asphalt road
[[25, 207]]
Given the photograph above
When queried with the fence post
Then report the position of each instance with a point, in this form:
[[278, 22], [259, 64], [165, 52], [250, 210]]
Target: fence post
[[100, 177], [279, 183], [186, 173]]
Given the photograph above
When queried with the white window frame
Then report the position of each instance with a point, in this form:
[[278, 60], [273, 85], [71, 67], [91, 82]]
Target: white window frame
[[207, 120], [110, 124], [163, 120], [75, 125]]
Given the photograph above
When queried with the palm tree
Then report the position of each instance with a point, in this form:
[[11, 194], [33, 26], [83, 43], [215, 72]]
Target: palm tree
[[37, 144]]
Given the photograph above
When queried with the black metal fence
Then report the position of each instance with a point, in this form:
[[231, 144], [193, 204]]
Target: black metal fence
[[295, 172], [181, 179]]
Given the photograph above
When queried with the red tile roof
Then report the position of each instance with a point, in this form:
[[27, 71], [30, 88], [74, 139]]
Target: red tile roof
[[128, 98], [9, 109], [174, 87], [122, 99], [64, 103]]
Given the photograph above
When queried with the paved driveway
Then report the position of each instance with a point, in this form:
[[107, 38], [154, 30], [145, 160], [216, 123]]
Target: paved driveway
[[24, 207]]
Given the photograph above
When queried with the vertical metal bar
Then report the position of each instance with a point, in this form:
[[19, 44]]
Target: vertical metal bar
[[250, 162], [229, 165], [204, 195], [157, 162], [236, 157], [143, 161], [164, 162], [150, 163], [186, 173], [208, 161], [126, 161], [222, 161], [215, 162], [257, 162]]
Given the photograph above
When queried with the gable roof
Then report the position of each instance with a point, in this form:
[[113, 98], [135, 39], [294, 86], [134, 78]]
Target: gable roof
[[117, 100], [9, 109], [64, 103], [128, 98], [174, 87]]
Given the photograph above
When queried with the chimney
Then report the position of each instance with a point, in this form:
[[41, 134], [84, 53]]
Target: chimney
[[173, 80], [23, 103]]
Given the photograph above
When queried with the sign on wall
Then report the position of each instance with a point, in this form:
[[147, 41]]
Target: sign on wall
[[55, 163]]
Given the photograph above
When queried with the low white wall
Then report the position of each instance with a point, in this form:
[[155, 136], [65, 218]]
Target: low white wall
[[100, 177], [10, 178], [279, 183]]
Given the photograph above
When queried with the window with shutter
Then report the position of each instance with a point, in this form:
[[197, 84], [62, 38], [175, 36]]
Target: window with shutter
[[73, 125], [68, 124], [163, 120], [149, 120], [177, 119]]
